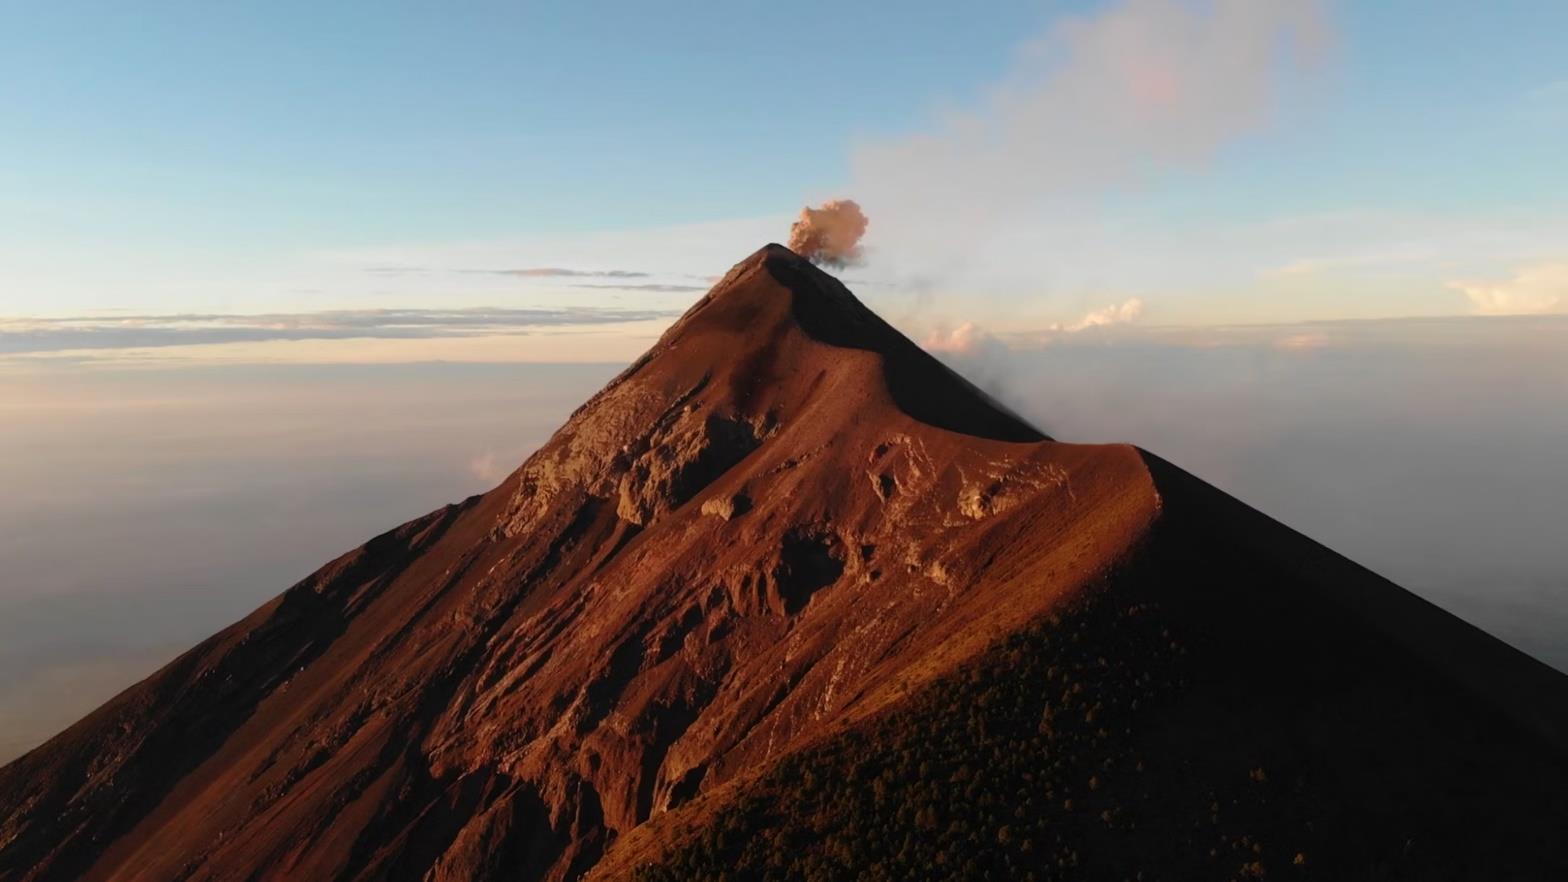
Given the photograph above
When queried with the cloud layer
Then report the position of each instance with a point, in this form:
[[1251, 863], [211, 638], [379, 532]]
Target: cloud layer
[[40, 336]]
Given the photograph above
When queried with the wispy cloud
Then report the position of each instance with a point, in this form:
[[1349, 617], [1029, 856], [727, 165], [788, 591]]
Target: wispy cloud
[[34, 336], [532, 272], [609, 279], [552, 272], [1098, 102], [1395, 256], [398, 270], [650, 287]]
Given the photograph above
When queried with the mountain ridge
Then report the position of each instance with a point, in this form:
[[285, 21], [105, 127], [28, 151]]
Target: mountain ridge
[[782, 524]]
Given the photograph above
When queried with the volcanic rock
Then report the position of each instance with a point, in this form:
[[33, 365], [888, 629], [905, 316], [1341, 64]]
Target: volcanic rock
[[786, 579]]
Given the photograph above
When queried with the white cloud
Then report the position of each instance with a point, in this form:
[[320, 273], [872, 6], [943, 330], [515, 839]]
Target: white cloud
[[970, 339], [1097, 102], [966, 339], [1115, 314], [1534, 290]]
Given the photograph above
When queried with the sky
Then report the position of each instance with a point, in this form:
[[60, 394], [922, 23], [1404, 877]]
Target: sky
[[1222, 162], [277, 277]]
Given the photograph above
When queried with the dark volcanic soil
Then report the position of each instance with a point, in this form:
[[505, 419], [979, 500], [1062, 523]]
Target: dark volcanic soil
[[783, 557]]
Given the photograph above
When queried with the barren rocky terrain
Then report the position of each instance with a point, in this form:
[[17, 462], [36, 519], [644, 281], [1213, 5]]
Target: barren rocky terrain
[[789, 599]]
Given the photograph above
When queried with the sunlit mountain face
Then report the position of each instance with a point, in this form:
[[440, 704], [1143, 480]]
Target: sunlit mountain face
[[788, 595]]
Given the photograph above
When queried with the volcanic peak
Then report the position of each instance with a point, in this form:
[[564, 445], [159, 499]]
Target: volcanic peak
[[823, 309]]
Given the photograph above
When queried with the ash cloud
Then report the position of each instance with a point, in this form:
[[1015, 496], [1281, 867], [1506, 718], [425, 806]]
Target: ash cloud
[[830, 233]]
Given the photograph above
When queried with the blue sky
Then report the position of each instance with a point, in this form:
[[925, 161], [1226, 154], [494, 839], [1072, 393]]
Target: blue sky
[[212, 157], [370, 121]]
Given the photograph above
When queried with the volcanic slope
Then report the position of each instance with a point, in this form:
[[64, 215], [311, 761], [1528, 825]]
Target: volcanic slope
[[788, 599]]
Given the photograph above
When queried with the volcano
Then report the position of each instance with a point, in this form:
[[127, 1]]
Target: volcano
[[789, 599]]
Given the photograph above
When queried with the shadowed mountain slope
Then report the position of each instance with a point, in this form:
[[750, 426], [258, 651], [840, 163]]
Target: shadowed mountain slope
[[784, 556]]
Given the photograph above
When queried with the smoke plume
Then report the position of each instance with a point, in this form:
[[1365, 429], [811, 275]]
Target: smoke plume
[[829, 235]]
